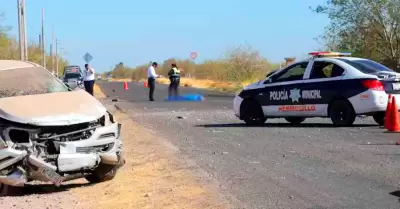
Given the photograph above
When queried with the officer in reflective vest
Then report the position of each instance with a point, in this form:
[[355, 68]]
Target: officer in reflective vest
[[174, 77]]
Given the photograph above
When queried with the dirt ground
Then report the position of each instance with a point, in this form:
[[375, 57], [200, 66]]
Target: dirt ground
[[154, 176]]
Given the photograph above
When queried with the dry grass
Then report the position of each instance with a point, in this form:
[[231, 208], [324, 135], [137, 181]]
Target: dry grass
[[228, 86], [207, 84], [120, 79], [239, 66]]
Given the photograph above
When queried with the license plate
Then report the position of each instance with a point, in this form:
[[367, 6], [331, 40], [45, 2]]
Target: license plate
[[396, 86], [51, 175]]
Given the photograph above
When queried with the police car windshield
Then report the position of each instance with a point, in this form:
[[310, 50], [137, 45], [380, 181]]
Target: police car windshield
[[367, 66], [34, 81]]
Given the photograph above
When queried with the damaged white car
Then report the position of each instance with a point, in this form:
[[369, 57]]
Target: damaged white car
[[50, 133]]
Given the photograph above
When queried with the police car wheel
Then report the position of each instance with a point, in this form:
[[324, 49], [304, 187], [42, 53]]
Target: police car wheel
[[295, 120], [252, 113], [341, 113], [379, 118]]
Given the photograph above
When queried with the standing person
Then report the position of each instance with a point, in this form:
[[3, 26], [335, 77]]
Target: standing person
[[88, 79], [151, 75], [175, 78]]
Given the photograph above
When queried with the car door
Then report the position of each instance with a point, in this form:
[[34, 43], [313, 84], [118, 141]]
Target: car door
[[280, 91], [323, 84]]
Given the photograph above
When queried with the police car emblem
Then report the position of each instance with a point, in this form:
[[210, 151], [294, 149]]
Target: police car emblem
[[295, 95]]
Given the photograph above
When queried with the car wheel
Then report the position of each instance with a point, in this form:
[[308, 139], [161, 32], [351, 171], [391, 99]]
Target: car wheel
[[342, 113], [252, 113], [379, 118], [295, 120], [102, 173]]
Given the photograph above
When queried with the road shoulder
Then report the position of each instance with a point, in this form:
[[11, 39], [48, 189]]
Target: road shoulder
[[154, 176]]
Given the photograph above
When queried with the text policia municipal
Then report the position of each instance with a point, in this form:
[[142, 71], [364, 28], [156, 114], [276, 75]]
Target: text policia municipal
[[295, 95]]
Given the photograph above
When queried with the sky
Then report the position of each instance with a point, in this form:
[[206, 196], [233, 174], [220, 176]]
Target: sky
[[136, 32]]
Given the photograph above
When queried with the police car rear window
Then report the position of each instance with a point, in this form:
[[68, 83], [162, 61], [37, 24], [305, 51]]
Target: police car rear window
[[367, 66]]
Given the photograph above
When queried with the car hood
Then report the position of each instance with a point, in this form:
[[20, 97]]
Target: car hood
[[53, 109], [253, 85]]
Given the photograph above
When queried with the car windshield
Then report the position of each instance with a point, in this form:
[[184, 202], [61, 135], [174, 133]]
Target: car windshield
[[72, 69], [72, 76], [270, 73], [368, 66], [28, 81]]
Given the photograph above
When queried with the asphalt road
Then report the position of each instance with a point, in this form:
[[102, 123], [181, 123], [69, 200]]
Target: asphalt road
[[313, 165]]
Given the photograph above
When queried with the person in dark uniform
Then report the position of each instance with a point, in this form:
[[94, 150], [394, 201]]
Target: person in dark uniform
[[152, 76], [174, 77]]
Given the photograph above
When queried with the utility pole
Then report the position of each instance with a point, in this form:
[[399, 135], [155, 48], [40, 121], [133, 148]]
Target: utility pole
[[52, 50], [40, 42], [51, 55], [57, 59], [20, 29], [25, 36], [43, 43]]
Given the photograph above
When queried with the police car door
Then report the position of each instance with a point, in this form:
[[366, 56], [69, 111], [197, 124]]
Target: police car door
[[322, 84], [282, 91]]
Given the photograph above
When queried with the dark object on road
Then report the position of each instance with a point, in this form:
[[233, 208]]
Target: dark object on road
[[114, 100]]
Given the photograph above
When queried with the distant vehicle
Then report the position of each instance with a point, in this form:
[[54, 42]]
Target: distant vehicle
[[73, 77], [50, 133], [72, 68], [329, 84]]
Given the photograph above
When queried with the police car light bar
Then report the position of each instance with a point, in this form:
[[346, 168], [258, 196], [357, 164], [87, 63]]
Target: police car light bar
[[327, 54]]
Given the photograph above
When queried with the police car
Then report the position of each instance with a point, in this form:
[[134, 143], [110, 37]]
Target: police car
[[329, 84]]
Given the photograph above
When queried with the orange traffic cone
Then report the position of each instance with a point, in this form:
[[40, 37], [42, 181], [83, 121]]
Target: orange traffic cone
[[145, 84], [126, 86], [394, 117], [388, 112]]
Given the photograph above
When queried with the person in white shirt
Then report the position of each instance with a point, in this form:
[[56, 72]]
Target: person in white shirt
[[88, 79], [151, 79]]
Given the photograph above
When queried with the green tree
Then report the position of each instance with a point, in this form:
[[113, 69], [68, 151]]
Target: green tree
[[367, 28]]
